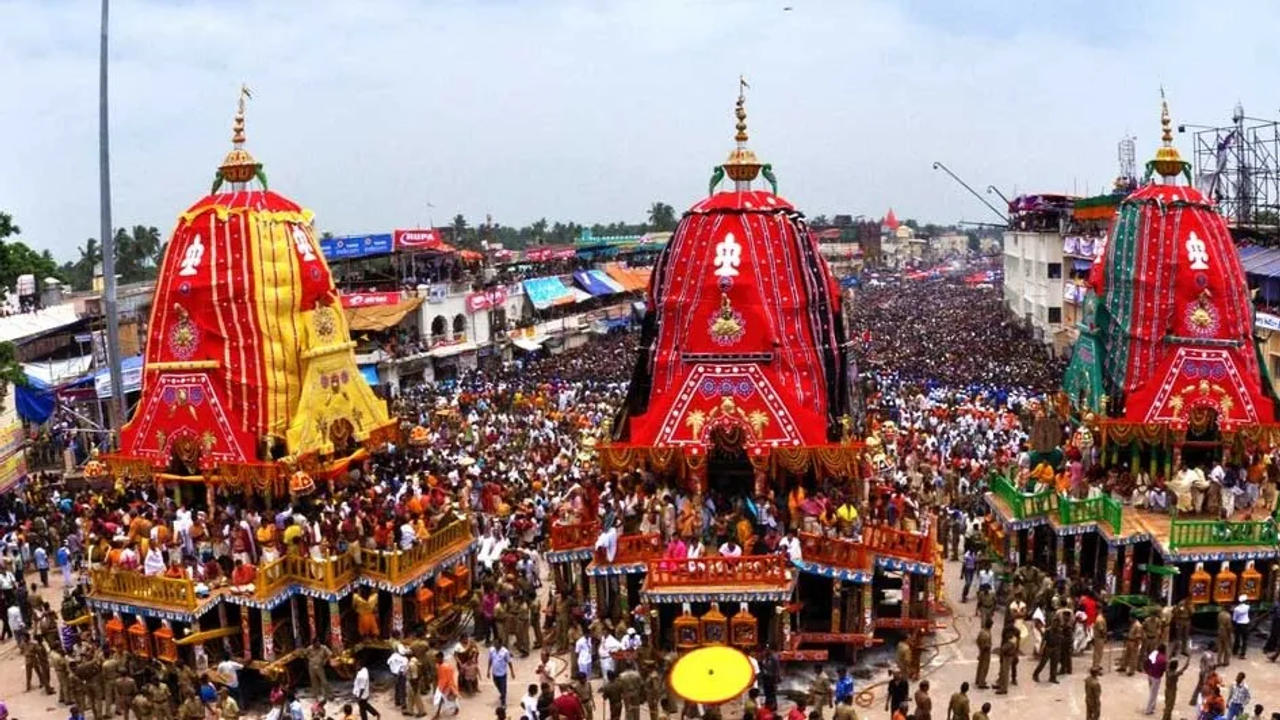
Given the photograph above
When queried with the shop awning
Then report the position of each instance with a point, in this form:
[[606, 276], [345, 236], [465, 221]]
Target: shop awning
[[1262, 262], [370, 373], [130, 376], [528, 344], [631, 279], [597, 282], [547, 291], [381, 317], [581, 296]]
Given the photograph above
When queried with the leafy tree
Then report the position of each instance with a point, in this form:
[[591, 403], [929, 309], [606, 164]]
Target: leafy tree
[[138, 253], [538, 231], [820, 221], [16, 258], [80, 273], [11, 372], [662, 217], [7, 227]]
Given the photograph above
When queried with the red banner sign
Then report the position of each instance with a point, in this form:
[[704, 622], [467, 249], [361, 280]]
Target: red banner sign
[[369, 299], [540, 254], [493, 297], [421, 239]]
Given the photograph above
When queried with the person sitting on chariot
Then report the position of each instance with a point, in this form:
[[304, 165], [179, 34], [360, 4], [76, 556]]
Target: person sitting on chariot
[[243, 576]]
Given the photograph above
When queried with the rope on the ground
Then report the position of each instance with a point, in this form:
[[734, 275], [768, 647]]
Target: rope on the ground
[[865, 697]]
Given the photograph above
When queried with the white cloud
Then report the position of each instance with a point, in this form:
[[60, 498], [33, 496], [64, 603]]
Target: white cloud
[[365, 111]]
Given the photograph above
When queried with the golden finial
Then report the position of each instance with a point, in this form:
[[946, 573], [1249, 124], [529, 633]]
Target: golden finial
[[1166, 136], [239, 166], [742, 166], [237, 128], [741, 110], [1167, 163]]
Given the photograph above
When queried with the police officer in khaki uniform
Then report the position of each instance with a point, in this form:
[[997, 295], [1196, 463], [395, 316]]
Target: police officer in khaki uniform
[[1180, 630], [958, 708], [125, 688], [632, 692], [984, 657], [611, 691], [1132, 646], [62, 670], [1100, 641], [415, 708], [36, 660], [1225, 632], [1093, 695]]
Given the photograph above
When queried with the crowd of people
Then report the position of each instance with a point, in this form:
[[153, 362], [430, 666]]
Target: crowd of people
[[953, 395]]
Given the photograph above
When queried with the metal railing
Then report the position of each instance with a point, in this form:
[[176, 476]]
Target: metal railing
[[329, 574], [1024, 505], [153, 589], [576, 536], [720, 571], [836, 552], [1101, 509], [1207, 533]]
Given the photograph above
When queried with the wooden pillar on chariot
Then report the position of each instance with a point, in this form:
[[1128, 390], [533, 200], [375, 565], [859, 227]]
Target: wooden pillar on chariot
[[836, 584], [1126, 572], [397, 613], [246, 634], [294, 623], [1059, 556], [267, 626], [868, 615], [1077, 554], [311, 616], [784, 627], [335, 626], [906, 595], [209, 496], [1031, 545], [1273, 587], [1109, 578]]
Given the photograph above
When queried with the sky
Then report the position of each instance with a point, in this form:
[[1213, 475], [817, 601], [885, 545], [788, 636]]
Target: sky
[[379, 114]]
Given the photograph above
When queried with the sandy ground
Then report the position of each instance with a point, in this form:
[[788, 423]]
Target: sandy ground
[[953, 661]]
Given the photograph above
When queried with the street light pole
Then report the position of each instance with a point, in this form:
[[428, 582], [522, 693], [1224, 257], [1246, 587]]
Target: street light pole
[[108, 239]]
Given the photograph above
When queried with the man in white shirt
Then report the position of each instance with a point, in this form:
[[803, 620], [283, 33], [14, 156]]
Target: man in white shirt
[[608, 646], [987, 576], [398, 664], [730, 549], [360, 690], [230, 671], [582, 650], [1240, 627], [529, 704], [791, 545], [608, 541]]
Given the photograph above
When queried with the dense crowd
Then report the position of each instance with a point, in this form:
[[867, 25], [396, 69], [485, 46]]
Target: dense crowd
[[953, 397]]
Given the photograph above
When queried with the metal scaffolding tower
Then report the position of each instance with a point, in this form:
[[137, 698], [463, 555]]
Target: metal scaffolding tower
[[1238, 166]]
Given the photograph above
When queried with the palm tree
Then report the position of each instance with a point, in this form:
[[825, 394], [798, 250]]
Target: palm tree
[[662, 217], [538, 231]]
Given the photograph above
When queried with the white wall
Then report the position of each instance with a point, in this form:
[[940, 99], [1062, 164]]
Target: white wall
[[1029, 259]]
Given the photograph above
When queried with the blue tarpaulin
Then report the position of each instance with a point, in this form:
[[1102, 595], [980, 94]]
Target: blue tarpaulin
[[370, 373], [547, 291], [36, 401], [592, 284]]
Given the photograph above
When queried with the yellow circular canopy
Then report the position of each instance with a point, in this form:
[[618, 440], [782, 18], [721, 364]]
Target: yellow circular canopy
[[711, 675]]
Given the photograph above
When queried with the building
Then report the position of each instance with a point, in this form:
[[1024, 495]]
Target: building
[[1033, 265], [949, 245]]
